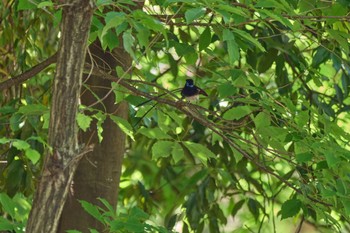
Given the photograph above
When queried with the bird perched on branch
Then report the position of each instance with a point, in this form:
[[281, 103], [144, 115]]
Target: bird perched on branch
[[191, 92]]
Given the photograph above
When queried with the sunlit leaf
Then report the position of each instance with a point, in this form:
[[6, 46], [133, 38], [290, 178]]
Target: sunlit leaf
[[238, 112], [128, 42], [33, 109], [154, 133], [199, 151], [331, 158], [83, 121], [33, 155], [246, 36], [161, 149], [21, 145], [194, 13], [25, 5], [123, 125], [113, 20], [7, 204], [92, 210]]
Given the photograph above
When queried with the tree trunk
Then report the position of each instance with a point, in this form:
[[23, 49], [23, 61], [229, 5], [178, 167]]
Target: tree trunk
[[62, 159], [99, 173]]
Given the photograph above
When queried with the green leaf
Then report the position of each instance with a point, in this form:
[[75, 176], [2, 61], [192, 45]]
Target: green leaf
[[304, 157], [21, 145], [193, 14], [174, 68], [100, 117], [110, 41], [161, 149], [103, 2], [93, 230], [331, 158], [92, 210], [84, 121], [262, 120], [143, 35], [6, 225], [266, 60], [166, 148], [341, 187], [238, 112], [177, 152], [46, 118], [113, 20], [153, 133], [45, 4], [15, 121], [199, 151], [231, 9], [116, 226], [108, 206], [7, 110], [128, 42], [153, 24], [290, 208], [138, 213], [302, 118], [226, 90], [232, 47], [249, 38], [73, 231], [339, 93], [341, 38], [237, 207], [25, 5], [274, 4], [7, 204], [322, 54], [4, 140], [254, 207], [124, 126], [191, 58], [33, 155], [33, 109], [57, 18], [204, 39], [183, 49], [277, 17], [346, 204], [134, 226]]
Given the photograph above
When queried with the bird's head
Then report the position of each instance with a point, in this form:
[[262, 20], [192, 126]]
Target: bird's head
[[189, 83]]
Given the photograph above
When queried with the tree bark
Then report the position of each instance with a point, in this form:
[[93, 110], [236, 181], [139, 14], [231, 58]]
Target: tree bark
[[63, 156], [98, 174]]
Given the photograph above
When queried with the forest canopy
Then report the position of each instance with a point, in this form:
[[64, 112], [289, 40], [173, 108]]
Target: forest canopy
[[267, 150]]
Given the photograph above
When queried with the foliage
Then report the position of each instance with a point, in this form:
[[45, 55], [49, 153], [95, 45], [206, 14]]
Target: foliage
[[131, 220], [272, 137], [16, 212]]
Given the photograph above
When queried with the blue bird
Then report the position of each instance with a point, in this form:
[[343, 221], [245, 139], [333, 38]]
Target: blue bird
[[191, 92]]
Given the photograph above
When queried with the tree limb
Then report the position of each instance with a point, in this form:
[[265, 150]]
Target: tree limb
[[28, 74]]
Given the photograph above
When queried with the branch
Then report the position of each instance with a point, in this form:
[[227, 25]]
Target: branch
[[28, 74], [189, 110]]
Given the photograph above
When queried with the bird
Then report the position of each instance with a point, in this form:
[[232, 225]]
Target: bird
[[191, 92]]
